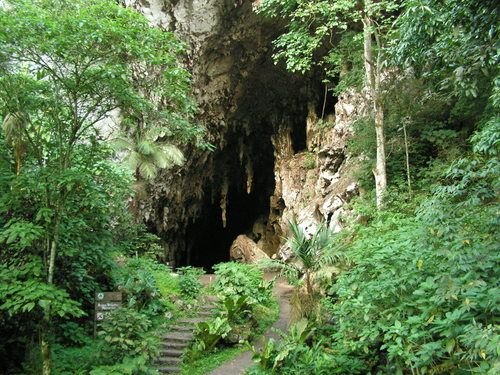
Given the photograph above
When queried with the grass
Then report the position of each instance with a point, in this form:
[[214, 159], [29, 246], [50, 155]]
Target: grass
[[211, 361]]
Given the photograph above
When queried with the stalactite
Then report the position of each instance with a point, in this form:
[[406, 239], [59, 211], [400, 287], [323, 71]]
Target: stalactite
[[223, 200], [241, 146], [249, 173]]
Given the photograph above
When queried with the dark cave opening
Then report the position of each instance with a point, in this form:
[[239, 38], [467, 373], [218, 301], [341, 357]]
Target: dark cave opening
[[207, 239], [299, 135], [326, 106]]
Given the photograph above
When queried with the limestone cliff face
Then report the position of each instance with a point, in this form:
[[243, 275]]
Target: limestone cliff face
[[272, 159], [313, 186]]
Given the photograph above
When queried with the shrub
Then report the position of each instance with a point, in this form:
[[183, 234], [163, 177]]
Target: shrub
[[125, 333], [189, 281], [139, 279], [238, 279]]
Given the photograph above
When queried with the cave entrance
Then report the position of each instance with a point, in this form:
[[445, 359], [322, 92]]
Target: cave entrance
[[209, 238]]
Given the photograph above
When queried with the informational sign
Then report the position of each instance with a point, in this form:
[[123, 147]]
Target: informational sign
[[105, 302]]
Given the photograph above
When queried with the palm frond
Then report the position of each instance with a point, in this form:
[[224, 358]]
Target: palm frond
[[122, 144], [173, 153], [148, 170], [145, 147], [134, 160], [13, 126]]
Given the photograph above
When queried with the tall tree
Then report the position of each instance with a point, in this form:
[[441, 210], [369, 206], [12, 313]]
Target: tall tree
[[64, 66], [316, 27]]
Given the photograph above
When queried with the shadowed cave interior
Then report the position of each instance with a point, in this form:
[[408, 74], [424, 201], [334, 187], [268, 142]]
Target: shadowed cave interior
[[207, 240]]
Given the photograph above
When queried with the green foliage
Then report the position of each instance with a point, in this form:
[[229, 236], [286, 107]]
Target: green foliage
[[453, 41], [236, 308], [125, 333], [310, 28], [140, 280], [238, 279], [129, 366], [135, 240], [296, 354], [309, 160], [189, 281], [64, 68], [423, 289], [208, 334], [313, 254], [167, 283], [23, 291], [76, 360]]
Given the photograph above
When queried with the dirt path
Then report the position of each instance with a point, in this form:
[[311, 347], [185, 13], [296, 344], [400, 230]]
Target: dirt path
[[239, 364]]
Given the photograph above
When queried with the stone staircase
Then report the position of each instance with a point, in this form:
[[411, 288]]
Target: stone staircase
[[177, 340]]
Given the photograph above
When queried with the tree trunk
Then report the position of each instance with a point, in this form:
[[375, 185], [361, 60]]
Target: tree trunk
[[373, 77], [47, 314], [407, 152], [309, 284], [380, 168], [44, 342]]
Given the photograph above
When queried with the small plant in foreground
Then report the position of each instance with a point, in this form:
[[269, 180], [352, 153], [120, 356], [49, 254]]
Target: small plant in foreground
[[189, 281]]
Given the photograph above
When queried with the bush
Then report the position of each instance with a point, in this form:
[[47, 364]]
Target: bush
[[189, 281], [423, 291], [238, 279], [139, 279], [125, 333], [76, 361], [129, 366]]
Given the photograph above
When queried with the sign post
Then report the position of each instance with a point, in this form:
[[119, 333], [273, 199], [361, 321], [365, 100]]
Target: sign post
[[105, 302]]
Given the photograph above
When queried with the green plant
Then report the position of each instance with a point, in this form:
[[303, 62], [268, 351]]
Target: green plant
[[208, 334], [189, 281], [136, 281], [129, 366], [273, 354], [236, 308], [314, 255], [125, 333], [309, 160], [238, 279], [76, 360], [64, 67]]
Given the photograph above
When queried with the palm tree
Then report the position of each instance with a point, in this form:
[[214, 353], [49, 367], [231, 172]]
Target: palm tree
[[314, 253], [146, 157], [14, 126]]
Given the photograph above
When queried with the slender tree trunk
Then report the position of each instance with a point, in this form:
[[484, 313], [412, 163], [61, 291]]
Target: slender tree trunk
[[407, 152], [44, 341], [372, 77], [47, 313], [380, 167]]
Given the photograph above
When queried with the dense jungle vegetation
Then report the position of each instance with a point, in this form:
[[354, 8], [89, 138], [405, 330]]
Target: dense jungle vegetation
[[410, 287]]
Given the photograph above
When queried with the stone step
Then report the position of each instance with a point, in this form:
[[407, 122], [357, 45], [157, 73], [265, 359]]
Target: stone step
[[207, 308], [178, 337], [181, 328], [206, 314], [190, 321], [169, 370], [211, 299], [171, 352], [175, 345], [169, 361]]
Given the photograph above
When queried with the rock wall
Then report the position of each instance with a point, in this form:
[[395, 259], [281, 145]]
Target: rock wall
[[273, 160], [313, 186]]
